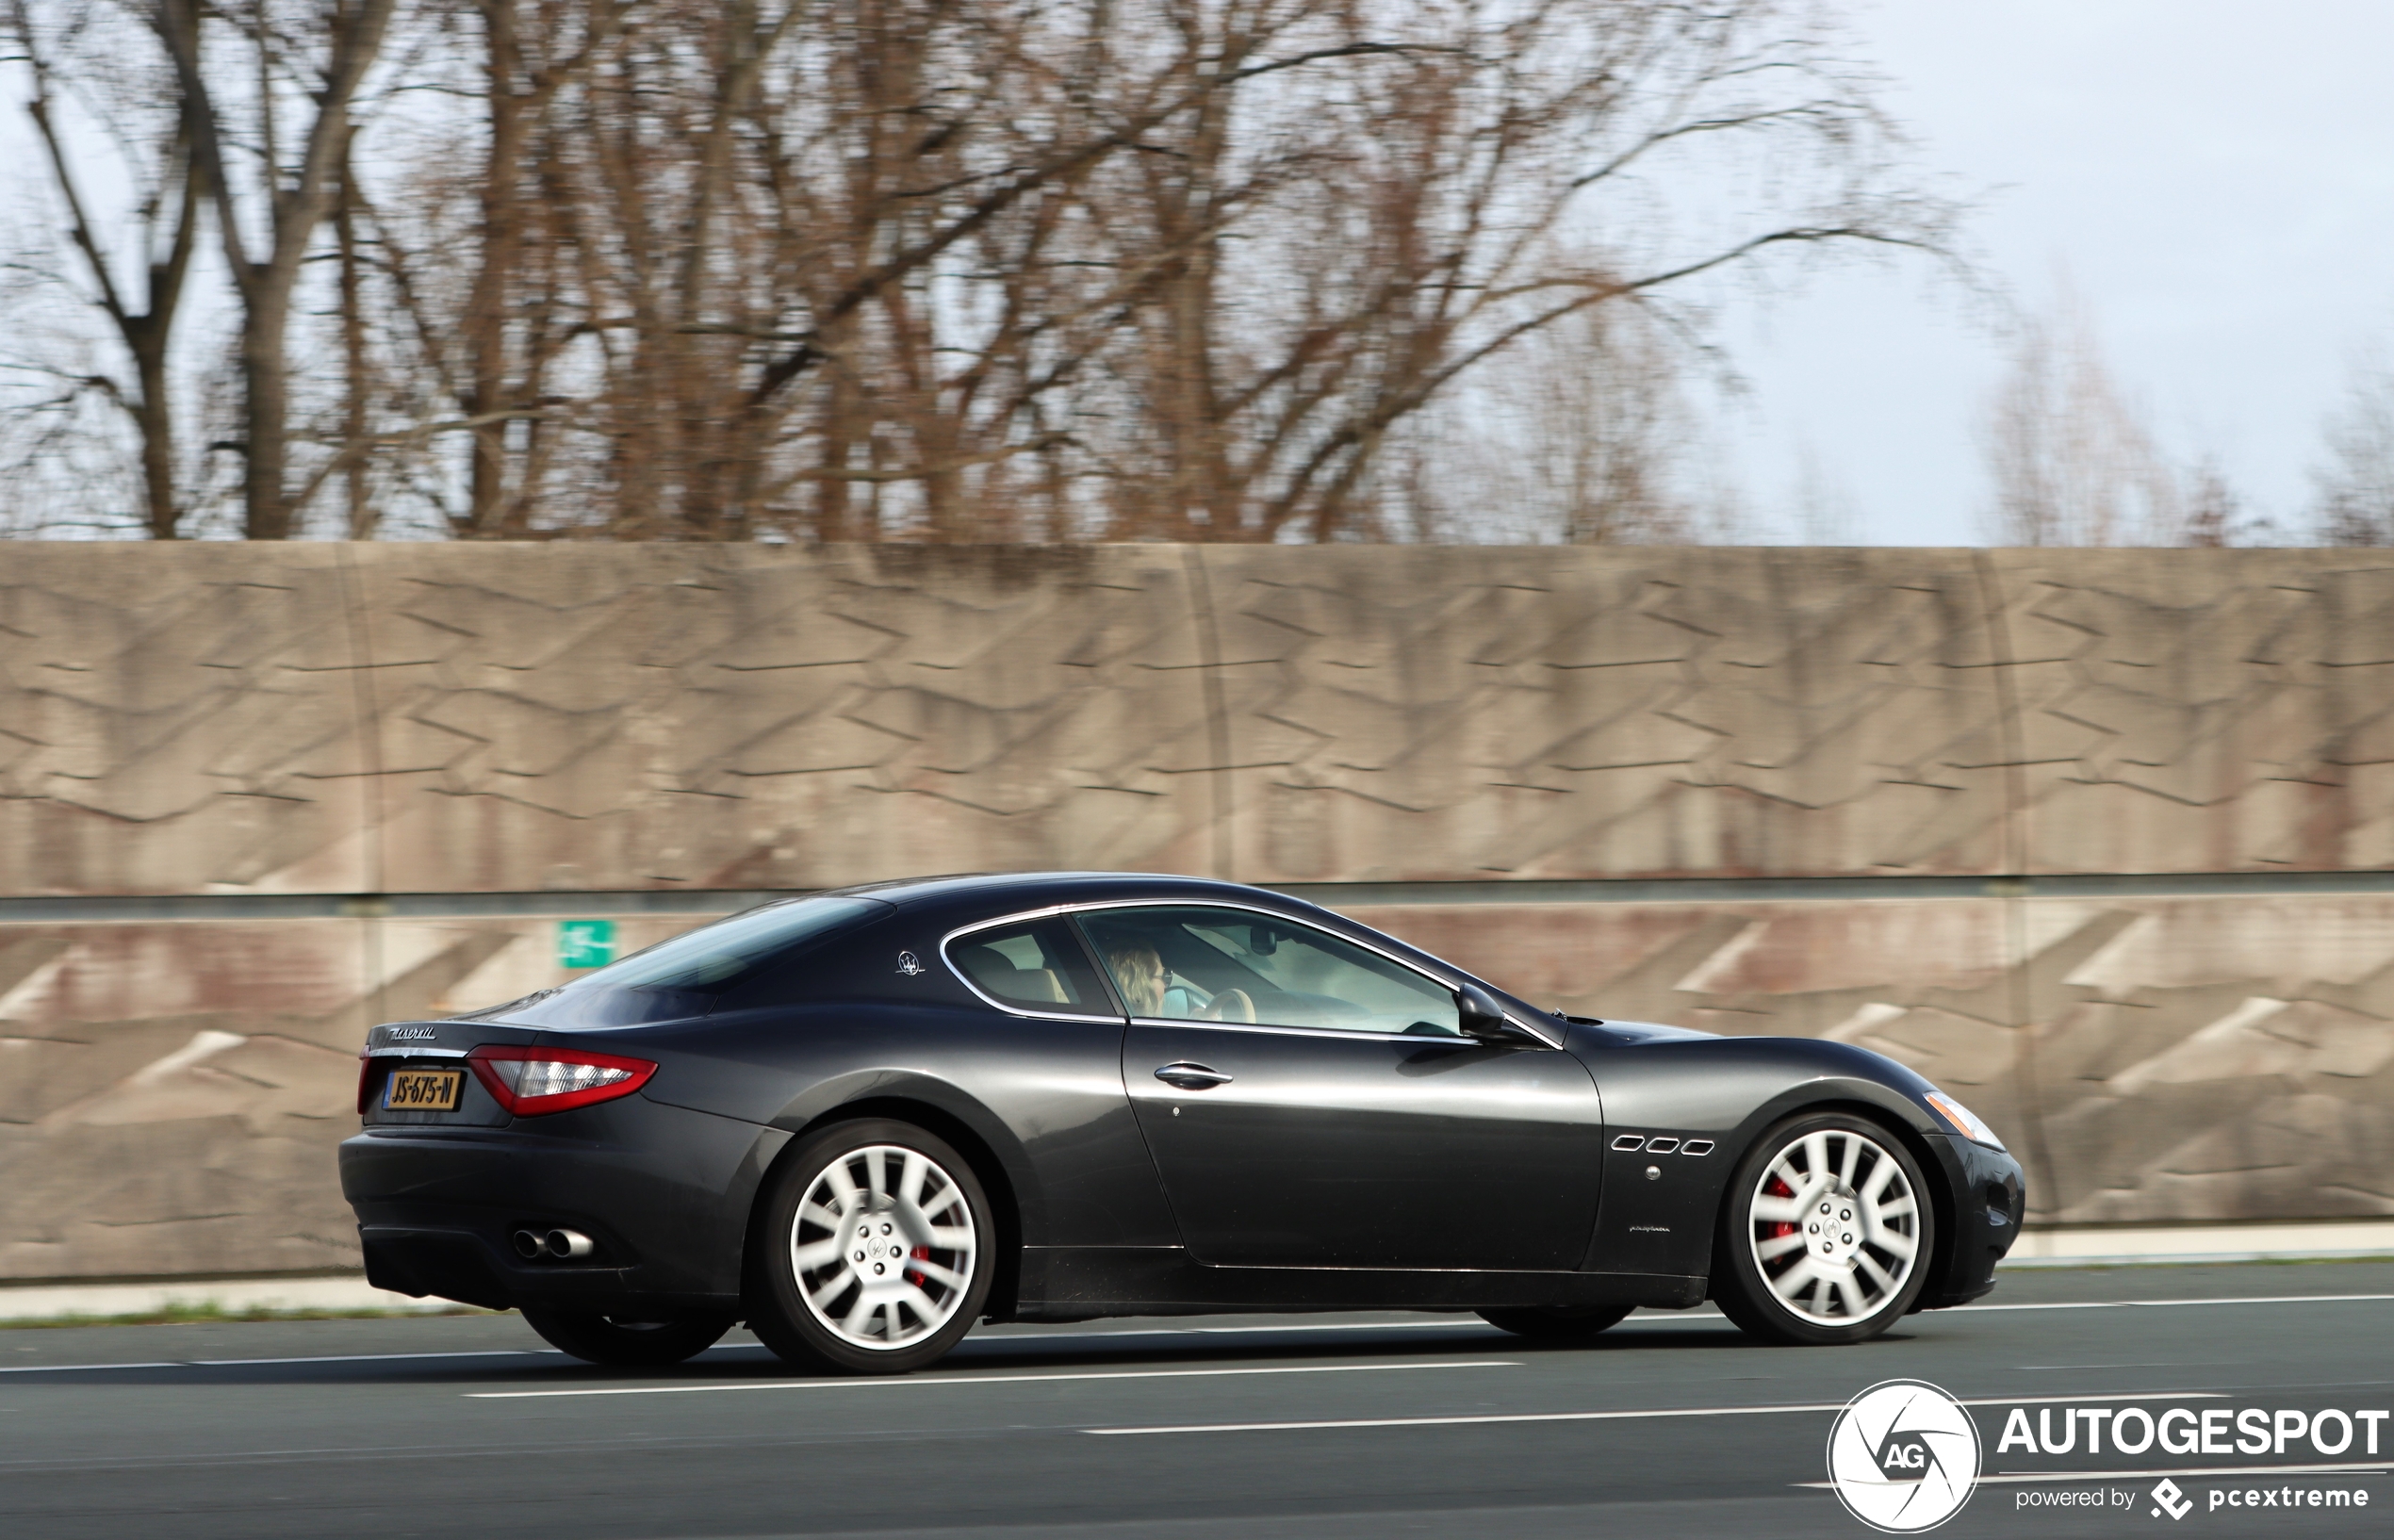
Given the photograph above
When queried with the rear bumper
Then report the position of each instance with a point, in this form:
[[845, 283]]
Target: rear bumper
[[1990, 1197], [664, 1192]]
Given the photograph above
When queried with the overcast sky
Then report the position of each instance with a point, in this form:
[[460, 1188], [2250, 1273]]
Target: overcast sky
[[2214, 178]]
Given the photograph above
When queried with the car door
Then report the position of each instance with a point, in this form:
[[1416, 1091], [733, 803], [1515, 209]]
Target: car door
[[1311, 1102]]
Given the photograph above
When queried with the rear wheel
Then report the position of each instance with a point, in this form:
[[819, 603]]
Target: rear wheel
[[874, 1250], [622, 1342], [1557, 1322], [1827, 1235]]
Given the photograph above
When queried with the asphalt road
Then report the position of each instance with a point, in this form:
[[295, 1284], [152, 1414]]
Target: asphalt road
[[1403, 1425]]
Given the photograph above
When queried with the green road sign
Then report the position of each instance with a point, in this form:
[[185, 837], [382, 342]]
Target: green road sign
[[585, 943]]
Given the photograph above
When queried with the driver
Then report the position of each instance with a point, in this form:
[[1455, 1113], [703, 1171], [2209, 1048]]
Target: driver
[[1149, 991]]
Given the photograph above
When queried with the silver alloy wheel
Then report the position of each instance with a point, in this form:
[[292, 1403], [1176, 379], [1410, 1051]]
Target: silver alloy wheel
[[883, 1247], [1835, 1228]]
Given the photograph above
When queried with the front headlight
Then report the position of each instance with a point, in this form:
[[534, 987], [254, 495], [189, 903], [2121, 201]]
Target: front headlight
[[1966, 1122]]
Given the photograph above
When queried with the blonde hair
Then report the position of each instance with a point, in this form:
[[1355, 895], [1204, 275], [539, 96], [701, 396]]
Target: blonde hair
[[1139, 969]]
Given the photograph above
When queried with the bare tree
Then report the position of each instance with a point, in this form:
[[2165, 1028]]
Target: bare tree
[[989, 269], [1477, 173], [976, 269], [306, 61], [2355, 485], [2075, 462], [2212, 509], [2072, 459], [1585, 437], [82, 49]]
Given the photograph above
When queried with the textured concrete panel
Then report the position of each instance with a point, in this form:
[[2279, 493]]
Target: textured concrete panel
[[171, 1094], [452, 719]]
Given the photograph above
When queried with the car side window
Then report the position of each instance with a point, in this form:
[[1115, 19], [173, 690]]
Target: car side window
[[1196, 963], [1034, 965]]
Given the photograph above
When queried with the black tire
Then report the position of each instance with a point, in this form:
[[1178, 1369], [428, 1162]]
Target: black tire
[[620, 1342], [1764, 1296], [1559, 1323], [939, 1247]]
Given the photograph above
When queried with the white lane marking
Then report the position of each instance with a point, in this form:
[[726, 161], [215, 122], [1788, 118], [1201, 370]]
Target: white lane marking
[[1659, 1319], [2152, 1305], [1241, 1331], [372, 1357], [229, 1362], [1197, 1331], [1625, 1416], [896, 1381], [2013, 1477], [1315, 1326]]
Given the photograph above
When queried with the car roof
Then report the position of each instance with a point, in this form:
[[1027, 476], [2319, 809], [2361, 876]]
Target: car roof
[[1055, 886]]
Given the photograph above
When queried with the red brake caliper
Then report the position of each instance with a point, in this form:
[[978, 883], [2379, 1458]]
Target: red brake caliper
[[1781, 1190], [923, 1253]]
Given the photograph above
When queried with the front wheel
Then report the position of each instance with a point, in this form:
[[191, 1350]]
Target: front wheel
[[621, 1342], [1827, 1235], [873, 1252], [1557, 1322]]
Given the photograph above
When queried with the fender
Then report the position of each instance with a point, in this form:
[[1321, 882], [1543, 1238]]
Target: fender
[[824, 1101], [1692, 1086]]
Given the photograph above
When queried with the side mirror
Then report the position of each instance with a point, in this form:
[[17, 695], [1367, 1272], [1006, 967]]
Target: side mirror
[[1481, 1017]]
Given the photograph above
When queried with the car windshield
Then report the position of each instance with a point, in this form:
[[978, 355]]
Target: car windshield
[[712, 958]]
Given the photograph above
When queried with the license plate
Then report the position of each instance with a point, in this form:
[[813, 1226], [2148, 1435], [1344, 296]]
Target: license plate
[[423, 1091]]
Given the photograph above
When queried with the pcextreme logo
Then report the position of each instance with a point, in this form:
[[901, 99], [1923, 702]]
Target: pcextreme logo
[[1903, 1456]]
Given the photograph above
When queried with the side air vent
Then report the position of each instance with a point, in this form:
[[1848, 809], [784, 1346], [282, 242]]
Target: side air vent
[[1697, 1147], [1630, 1141], [1661, 1146]]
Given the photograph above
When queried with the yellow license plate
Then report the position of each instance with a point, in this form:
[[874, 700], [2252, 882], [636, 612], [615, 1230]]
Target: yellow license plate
[[423, 1091]]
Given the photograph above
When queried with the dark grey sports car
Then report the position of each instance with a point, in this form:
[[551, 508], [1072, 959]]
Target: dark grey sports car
[[862, 1121]]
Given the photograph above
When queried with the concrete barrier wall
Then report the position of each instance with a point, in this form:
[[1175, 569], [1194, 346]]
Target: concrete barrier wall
[[470, 718], [568, 727]]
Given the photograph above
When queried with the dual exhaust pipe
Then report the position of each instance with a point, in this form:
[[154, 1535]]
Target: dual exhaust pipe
[[564, 1245]]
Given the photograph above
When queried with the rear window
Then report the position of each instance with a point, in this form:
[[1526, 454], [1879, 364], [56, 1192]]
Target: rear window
[[1037, 966], [713, 958]]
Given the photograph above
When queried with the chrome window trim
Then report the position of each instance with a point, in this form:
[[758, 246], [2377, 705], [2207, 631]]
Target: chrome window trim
[[1451, 986], [1051, 911], [1416, 1038]]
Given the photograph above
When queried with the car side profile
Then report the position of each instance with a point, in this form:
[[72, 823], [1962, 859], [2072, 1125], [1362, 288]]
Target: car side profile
[[862, 1121]]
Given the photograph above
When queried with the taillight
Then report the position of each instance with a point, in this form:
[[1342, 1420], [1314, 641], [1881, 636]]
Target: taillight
[[364, 1080], [530, 1081]]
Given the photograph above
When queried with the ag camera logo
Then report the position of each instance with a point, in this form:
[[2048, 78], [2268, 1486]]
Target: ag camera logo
[[1903, 1456]]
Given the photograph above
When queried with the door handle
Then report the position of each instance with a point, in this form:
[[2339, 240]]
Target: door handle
[[1190, 1076]]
